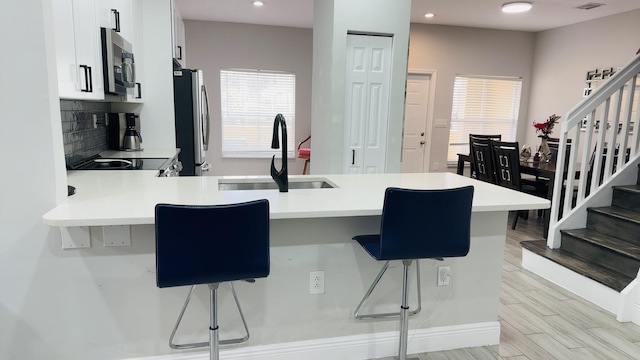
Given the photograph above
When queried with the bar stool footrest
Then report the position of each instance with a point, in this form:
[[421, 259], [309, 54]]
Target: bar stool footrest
[[417, 310], [206, 343]]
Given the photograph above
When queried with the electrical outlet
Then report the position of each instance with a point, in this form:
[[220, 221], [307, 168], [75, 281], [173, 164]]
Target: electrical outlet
[[444, 275], [316, 282], [436, 166]]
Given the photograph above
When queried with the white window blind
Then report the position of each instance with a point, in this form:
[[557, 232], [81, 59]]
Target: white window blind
[[250, 101], [483, 105]]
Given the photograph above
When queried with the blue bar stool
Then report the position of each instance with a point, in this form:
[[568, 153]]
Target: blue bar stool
[[418, 224], [185, 255]]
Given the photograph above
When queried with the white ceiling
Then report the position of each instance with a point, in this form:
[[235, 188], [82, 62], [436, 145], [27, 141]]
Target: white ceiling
[[546, 14]]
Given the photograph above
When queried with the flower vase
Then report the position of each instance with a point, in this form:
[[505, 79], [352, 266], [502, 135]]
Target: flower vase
[[545, 152]]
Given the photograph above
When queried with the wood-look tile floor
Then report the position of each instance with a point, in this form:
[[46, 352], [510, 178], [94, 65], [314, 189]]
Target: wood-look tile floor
[[540, 320]]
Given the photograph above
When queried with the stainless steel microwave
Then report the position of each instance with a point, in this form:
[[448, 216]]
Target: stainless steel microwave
[[118, 64]]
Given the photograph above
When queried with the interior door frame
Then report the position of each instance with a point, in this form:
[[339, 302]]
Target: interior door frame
[[426, 162]]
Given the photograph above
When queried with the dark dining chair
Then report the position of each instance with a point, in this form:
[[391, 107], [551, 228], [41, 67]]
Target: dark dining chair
[[604, 161], [479, 136], [481, 163], [542, 183], [506, 159]]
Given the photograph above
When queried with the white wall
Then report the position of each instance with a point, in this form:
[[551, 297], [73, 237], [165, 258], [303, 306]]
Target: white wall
[[212, 46], [31, 303], [454, 50], [332, 20], [563, 56]]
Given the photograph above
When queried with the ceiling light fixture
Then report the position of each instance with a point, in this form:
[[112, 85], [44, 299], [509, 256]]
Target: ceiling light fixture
[[516, 7], [429, 15], [257, 3]]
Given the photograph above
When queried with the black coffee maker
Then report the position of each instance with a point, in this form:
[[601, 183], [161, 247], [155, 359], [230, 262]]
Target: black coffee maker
[[124, 132]]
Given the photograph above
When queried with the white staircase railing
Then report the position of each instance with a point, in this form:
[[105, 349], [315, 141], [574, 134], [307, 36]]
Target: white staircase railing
[[605, 122]]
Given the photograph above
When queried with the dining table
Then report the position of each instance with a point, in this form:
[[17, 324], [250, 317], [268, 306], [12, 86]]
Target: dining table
[[540, 169]]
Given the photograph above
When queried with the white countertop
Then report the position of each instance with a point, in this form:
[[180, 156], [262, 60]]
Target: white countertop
[[115, 197]]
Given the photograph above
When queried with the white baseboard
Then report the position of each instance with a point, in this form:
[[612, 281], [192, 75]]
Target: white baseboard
[[582, 286], [367, 346]]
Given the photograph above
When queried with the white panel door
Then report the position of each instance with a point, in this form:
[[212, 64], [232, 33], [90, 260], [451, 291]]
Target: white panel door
[[414, 140], [367, 103]]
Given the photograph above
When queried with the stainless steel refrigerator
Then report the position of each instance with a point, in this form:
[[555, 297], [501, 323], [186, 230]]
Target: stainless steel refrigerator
[[192, 121]]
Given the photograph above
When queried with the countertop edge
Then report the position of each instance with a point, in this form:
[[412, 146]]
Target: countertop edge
[[103, 200]]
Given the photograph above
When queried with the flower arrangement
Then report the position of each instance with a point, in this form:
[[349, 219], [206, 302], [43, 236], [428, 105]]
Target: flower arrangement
[[546, 128]]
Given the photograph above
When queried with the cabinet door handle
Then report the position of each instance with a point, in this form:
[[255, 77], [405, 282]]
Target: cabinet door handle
[[139, 96], [179, 52], [116, 14], [353, 157], [87, 78]]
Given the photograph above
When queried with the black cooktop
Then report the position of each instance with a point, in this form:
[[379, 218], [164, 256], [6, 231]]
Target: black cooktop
[[100, 163]]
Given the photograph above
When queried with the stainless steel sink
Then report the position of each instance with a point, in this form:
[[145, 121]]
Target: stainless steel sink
[[268, 184]]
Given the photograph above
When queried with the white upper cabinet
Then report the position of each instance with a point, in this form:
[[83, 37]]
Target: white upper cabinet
[[178, 36], [136, 94], [117, 15], [79, 62], [77, 26]]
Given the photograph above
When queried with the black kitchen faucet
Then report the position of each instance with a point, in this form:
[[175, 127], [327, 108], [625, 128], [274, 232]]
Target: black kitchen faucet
[[280, 177]]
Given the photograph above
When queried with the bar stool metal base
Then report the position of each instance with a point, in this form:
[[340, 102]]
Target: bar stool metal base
[[213, 327], [404, 311], [375, 282]]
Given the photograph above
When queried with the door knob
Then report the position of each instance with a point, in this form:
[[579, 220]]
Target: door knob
[[422, 133], [422, 142]]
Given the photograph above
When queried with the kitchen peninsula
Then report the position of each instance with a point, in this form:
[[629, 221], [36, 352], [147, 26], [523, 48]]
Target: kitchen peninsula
[[311, 230]]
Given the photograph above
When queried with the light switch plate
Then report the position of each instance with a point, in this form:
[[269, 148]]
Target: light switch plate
[[441, 123]]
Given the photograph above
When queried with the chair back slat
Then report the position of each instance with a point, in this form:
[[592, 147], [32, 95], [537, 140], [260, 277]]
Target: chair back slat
[[481, 158], [506, 158], [212, 243]]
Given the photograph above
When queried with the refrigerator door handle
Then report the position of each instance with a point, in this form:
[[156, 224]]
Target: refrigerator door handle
[[208, 119]]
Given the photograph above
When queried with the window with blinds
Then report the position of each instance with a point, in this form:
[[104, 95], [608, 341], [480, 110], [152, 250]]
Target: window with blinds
[[250, 101], [483, 105]]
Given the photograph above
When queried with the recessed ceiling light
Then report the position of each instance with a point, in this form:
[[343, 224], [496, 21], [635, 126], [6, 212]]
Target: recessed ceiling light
[[257, 3], [429, 15], [516, 7]]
